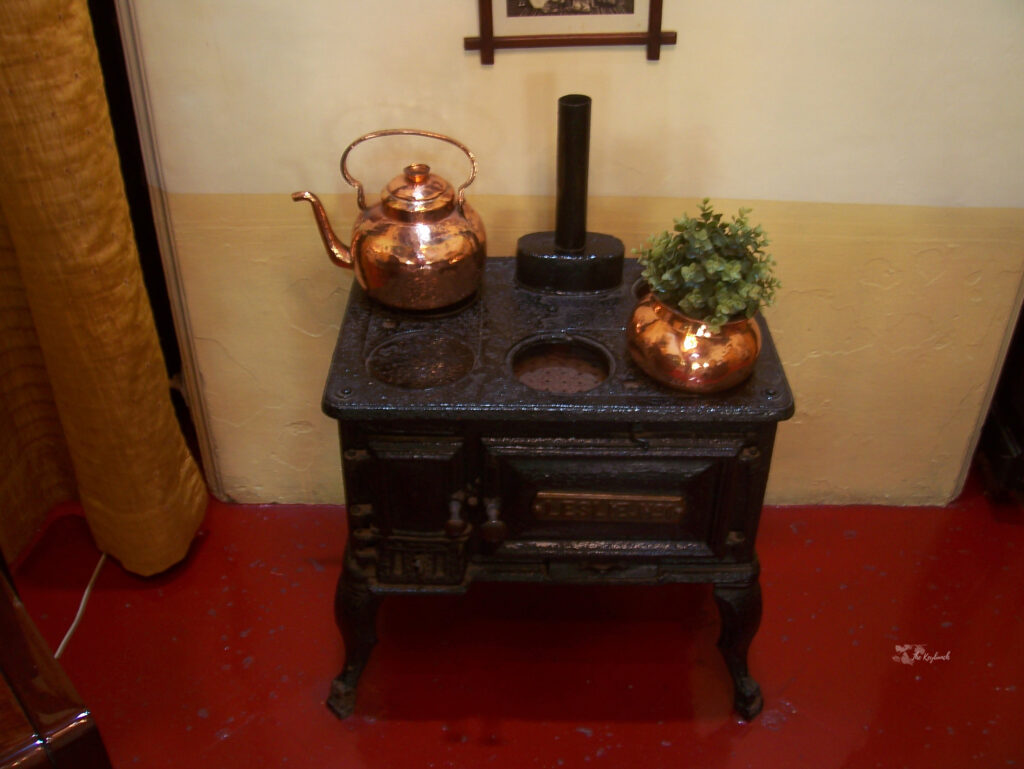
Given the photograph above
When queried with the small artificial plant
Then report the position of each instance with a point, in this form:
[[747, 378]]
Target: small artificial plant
[[711, 270]]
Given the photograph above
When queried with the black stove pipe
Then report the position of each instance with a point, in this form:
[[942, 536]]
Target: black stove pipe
[[573, 167], [570, 259]]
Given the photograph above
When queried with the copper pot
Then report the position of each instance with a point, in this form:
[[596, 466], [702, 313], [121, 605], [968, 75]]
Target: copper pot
[[684, 353], [422, 247]]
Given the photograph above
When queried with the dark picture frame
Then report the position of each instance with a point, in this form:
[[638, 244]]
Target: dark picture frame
[[653, 38]]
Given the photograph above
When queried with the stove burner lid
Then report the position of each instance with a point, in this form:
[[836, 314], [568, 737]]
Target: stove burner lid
[[420, 360]]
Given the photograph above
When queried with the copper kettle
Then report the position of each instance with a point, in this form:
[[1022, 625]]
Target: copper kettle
[[422, 247]]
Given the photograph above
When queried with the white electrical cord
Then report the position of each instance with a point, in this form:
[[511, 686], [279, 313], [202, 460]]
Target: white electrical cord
[[81, 607]]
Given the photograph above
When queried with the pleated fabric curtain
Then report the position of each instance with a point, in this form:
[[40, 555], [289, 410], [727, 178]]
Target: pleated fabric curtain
[[85, 407]]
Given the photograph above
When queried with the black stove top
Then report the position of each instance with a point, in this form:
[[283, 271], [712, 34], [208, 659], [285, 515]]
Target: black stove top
[[519, 354]]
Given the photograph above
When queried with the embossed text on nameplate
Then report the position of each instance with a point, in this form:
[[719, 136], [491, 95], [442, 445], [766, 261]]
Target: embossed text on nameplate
[[611, 508]]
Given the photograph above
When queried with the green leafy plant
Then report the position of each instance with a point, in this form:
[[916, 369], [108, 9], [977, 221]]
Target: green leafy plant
[[711, 269]]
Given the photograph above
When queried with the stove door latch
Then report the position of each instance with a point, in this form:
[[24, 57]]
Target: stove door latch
[[457, 525], [493, 530]]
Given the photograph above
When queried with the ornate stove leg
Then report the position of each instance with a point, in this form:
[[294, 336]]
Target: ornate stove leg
[[355, 611], [740, 608]]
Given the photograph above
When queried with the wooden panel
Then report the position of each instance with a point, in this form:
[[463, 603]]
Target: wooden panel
[[20, 746], [49, 703]]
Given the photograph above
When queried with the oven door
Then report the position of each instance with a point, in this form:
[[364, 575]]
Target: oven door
[[412, 481], [611, 497]]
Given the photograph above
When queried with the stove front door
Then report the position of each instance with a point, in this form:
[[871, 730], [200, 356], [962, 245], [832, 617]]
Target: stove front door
[[669, 494]]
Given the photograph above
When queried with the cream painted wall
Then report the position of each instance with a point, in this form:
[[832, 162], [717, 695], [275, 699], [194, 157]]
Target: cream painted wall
[[892, 319], [915, 102]]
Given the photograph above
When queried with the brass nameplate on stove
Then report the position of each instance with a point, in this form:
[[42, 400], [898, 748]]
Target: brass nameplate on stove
[[607, 508]]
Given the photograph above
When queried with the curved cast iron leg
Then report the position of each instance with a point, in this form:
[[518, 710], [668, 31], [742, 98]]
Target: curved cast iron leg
[[355, 610], [740, 607]]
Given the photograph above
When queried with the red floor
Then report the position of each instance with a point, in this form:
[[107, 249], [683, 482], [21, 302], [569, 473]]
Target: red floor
[[224, 661]]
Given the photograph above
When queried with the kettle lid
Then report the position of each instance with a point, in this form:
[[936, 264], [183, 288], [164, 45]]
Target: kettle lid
[[417, 191]]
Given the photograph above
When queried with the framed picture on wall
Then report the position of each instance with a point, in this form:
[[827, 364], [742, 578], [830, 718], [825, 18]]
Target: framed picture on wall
[[559, 23]]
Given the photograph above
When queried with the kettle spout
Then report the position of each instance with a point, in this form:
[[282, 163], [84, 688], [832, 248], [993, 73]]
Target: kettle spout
[[338, 252]]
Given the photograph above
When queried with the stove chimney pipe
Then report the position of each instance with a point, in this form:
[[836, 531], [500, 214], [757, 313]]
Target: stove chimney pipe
[[570, 259], [573, 168]]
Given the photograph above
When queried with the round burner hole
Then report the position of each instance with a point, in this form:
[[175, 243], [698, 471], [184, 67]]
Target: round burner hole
[[564, 365]]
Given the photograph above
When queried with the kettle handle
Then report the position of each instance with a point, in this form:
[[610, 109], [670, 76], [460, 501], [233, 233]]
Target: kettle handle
[[361, 199]]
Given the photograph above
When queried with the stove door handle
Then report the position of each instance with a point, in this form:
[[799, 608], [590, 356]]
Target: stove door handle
[[494, 530]]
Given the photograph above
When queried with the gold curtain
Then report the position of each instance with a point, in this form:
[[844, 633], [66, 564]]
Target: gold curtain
[[85, 402]]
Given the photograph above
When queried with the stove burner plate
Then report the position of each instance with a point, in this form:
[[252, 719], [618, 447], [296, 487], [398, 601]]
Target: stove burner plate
[[419, 360]]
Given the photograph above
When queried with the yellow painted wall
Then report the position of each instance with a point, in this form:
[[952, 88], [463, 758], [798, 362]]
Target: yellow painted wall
[[898, 127]]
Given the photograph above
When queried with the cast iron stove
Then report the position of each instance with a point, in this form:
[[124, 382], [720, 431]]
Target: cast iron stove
[[515, 440]]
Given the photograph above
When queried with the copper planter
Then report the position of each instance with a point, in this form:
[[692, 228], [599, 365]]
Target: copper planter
[[685, 354]]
